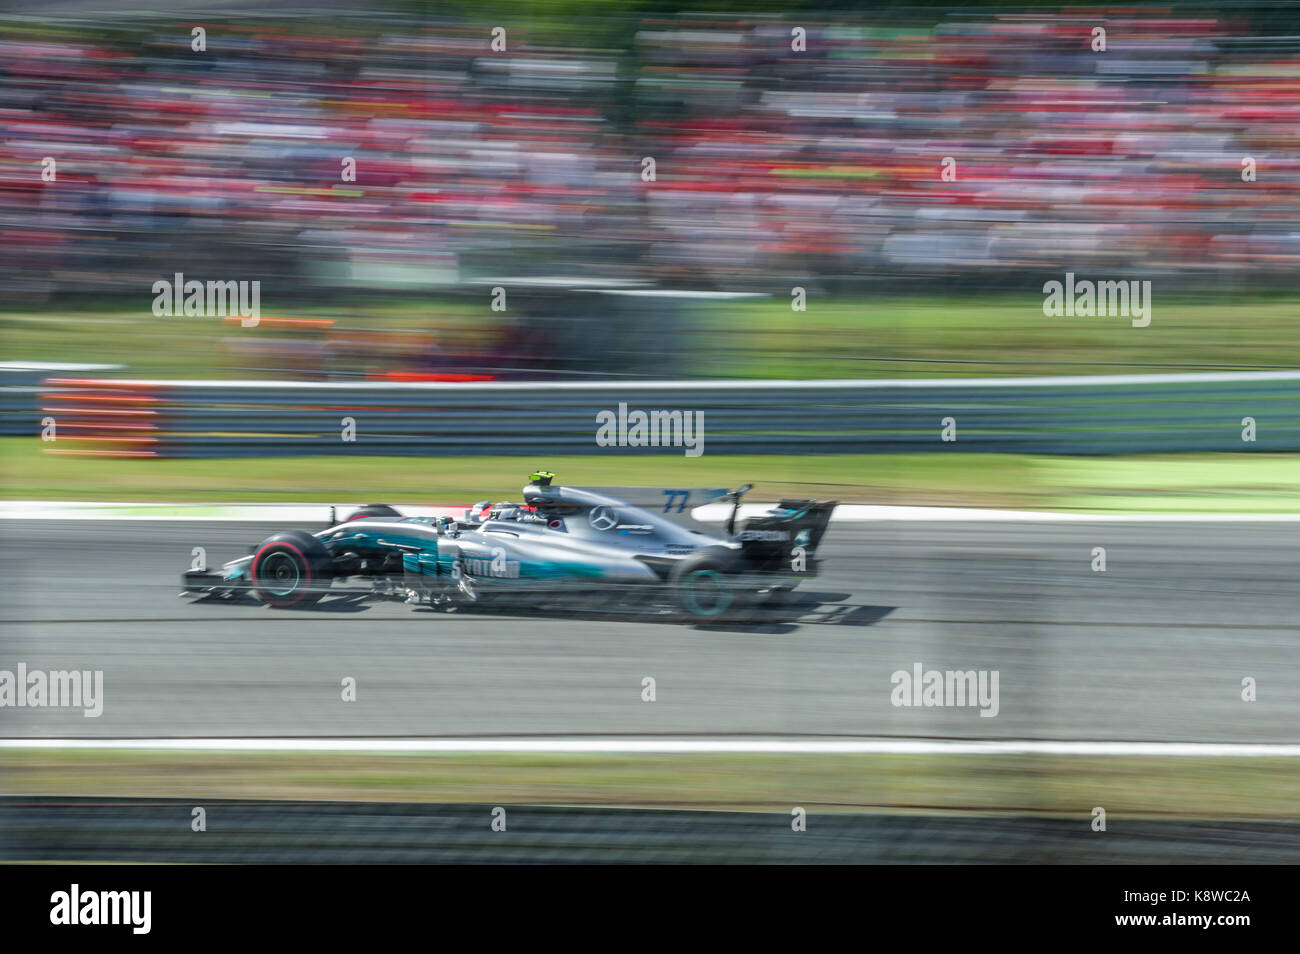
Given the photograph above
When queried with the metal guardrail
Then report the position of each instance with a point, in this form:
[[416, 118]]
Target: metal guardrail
[[1085, 415], [45, 828], [61, 829]]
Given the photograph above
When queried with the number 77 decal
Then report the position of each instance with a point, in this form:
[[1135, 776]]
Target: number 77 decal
[[672, 496]]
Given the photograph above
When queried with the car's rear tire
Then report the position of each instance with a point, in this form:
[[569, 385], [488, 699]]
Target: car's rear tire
[[705, 587], [372, 510], [290, 569]]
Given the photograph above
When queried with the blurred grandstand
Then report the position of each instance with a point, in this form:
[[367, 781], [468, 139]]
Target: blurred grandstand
[[774, 167]]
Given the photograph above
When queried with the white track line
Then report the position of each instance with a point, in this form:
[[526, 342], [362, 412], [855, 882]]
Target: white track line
[[677, 746], [318, 514]]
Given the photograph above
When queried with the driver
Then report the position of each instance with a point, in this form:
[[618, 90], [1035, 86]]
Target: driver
[[516, 512]]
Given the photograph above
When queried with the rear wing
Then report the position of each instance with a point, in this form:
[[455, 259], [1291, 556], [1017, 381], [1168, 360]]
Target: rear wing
[[792, 523]]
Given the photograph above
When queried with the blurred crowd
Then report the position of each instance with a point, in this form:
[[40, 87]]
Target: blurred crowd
[[771, 166]]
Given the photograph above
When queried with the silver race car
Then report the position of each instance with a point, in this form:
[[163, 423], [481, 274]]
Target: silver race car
[[562, 548]]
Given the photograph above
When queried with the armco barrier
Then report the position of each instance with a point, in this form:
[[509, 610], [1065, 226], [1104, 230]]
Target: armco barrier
[[1084, 415], [157, 831]]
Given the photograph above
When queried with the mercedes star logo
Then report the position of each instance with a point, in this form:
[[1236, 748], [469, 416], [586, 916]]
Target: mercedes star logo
[[603, 518]]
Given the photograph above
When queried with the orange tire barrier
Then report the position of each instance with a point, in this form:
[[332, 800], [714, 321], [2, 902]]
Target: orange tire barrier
[[101, 418]]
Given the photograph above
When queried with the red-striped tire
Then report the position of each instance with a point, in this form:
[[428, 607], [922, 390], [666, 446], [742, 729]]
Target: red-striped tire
[[290, 569]]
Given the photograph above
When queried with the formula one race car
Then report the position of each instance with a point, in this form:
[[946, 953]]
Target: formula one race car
[[562, 544]]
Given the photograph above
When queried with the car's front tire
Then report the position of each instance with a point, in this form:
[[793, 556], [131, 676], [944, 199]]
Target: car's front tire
[[290, 569]]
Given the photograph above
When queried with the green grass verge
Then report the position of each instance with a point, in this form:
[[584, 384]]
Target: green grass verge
[[1217, 483], [28, 473], [1057, 785], [936, 336], [1202, 483], [194, 347], [887, 337]]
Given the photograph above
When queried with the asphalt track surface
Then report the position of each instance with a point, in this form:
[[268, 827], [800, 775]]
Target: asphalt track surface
[[1154, 649]]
